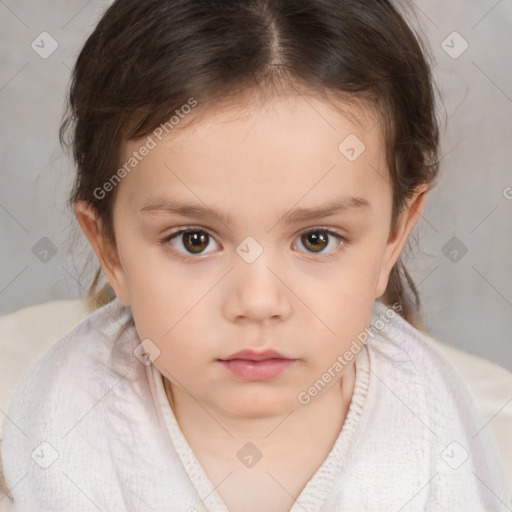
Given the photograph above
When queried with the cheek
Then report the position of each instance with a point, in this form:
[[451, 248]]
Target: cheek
[[171, 302], [174, 312], [348, 312], [345, 300], [177, 312], [183, 337], [154, 286], [352, 278]]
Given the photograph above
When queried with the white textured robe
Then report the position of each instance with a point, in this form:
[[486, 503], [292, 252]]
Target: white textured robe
[[90, 428]]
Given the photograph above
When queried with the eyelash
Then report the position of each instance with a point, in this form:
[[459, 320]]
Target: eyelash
[[343, 241]]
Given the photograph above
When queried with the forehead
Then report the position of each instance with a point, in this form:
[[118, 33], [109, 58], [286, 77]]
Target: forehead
[[290, 149]]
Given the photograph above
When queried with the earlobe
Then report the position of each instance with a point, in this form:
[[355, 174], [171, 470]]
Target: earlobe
[[104, 250], [396, 242]]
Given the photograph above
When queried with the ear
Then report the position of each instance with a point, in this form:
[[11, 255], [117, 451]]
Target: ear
[[406, 222], [105, 250]]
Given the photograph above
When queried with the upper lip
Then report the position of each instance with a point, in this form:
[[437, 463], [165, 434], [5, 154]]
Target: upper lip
[[253, 355]]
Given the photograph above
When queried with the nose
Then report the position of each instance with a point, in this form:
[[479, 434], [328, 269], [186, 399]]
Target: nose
[[257, 292]]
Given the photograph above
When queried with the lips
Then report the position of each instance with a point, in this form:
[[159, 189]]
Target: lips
[[252, 355], [256, 366]]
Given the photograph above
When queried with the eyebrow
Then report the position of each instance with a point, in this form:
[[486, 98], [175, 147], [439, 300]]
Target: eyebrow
[[296, 215]]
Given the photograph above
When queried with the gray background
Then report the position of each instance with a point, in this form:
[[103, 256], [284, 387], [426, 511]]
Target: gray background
[[467, 296]]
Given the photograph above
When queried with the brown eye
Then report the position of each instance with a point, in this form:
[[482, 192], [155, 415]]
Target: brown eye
[[190, 241], [316, 241], [195, 241]]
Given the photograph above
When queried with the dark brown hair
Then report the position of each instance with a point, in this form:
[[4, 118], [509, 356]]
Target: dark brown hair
[[145, 60]]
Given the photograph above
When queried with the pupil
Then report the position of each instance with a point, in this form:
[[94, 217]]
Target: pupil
[[316, 241], [197, 240]]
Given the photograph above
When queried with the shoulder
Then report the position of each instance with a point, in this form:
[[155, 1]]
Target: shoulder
[[396, 344], [414, 382], [74, 362], [61, 389], [407, 361], [83, 431], [87, 347]]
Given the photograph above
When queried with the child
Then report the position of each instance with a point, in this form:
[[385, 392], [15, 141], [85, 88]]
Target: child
[[248, 174]]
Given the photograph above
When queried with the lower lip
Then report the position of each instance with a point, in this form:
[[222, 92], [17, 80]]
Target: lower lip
[[257, 370]]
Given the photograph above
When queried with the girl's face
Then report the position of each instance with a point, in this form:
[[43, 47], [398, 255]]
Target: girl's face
[[262, 232]]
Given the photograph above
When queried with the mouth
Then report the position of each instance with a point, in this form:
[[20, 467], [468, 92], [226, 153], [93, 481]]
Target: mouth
[[253, 355], [252, 365]]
